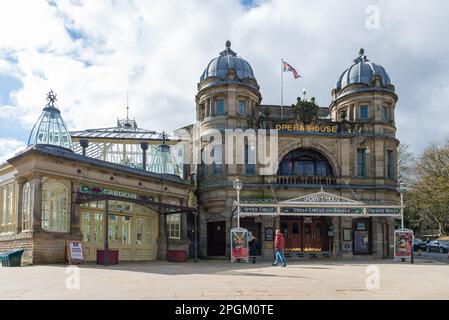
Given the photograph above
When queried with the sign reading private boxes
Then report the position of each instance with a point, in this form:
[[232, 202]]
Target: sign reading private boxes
[[75, 252], [239, 245], [403, 244]]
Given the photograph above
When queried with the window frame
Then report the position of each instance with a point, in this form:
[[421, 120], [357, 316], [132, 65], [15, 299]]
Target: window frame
[[362, 167], [362, 110], [173, 222], [52, 221], [390, 164], [216, 107], [27, 206], [385, 113], [245, 104], [7, 208]]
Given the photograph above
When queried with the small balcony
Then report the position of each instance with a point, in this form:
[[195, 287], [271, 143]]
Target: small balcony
[[306, 180]]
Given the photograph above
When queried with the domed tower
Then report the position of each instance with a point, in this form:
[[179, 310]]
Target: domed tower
[[228, 98], [364, 101], [50, 128], [364, 93], [228, 93]]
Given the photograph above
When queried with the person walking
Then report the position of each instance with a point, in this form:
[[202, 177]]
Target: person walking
[[279, 246], [253, 249]]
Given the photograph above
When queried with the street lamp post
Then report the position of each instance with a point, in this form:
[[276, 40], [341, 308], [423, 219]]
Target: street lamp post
[[238, 185], [401, 192]]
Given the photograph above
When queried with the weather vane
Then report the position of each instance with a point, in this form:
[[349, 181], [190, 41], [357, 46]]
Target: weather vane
[[51, 98]]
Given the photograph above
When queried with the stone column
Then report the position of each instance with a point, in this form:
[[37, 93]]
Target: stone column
[[144, 147], [337, 248], [18, 207], [84, 144], [162, 237], [183, 222], [346, 223], [37, 203], [75, 212]]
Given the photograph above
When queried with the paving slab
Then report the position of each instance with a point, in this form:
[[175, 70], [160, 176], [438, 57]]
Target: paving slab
[[209, 279]]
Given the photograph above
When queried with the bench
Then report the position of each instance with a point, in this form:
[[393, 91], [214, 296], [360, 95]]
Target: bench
[[12, 258]]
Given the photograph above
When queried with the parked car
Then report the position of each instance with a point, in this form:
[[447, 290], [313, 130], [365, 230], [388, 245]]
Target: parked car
[[441, 246], [418, 244]]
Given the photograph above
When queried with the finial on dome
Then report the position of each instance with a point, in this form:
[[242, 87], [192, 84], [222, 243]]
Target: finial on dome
[[51, 98], [228, 50], [361, 52]]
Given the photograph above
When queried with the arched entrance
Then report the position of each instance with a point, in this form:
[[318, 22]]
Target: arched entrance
[[305, 162]]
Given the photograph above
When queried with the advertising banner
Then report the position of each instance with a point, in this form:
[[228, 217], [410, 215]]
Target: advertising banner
[[239, 245], [403, 244]]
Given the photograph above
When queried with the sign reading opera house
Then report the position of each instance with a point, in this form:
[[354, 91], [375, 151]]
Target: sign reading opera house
[[334, 192]]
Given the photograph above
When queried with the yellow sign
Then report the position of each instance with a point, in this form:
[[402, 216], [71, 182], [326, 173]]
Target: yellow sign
[[308, 128]]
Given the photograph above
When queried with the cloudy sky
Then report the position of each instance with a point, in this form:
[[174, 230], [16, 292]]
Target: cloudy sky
[[92, 52]]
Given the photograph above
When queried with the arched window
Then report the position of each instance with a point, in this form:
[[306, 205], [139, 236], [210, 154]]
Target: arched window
[[27, 206], [55, 207], [305, 162]]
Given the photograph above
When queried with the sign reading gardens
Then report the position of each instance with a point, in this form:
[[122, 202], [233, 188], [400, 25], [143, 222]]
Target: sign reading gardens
[[109, 192]]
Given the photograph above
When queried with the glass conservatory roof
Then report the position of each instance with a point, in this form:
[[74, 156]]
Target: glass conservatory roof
[[50, 128], [163, 161]]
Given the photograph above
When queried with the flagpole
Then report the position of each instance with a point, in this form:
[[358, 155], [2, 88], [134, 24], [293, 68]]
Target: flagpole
[[282, 87]]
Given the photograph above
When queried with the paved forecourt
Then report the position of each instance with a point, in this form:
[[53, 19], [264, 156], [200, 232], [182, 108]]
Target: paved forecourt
[[319, 279]]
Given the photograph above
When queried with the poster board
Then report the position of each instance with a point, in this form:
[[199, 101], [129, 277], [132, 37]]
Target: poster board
[[239, 245], [269, 234], [403, 245], [75, 252]]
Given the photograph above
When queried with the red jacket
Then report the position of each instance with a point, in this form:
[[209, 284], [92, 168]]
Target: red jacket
[[279, 242]]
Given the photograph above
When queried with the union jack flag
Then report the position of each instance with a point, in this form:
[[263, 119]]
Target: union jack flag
[[288, 67]]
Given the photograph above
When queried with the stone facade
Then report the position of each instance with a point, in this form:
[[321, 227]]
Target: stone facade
[[41, 164], [358, 123]]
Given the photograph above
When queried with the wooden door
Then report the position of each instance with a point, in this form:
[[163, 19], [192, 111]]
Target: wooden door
[[253, 227], [145, 227], [216, 238], [93, 236], [318, 234], [307, 234], [295, 235]]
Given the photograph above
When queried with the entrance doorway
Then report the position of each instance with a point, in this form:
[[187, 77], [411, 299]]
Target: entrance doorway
[[362, 236], [305, 234], [132, 230], [253, 227], [216, 238]]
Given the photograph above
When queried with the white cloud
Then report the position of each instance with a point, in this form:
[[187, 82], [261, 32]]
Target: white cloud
[[9, 147], [158, 49]]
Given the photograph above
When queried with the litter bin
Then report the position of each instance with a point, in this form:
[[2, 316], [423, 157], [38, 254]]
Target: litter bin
[[12, 258]]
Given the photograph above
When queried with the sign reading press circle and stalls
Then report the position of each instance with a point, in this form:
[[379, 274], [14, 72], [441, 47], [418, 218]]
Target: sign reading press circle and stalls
[[334, 211]]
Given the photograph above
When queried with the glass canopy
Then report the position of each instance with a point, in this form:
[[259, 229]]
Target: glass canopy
[[163, 161], [122, 144], [50, 128]]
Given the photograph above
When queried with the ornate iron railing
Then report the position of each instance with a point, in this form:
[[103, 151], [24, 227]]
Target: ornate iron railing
[[306, 180]]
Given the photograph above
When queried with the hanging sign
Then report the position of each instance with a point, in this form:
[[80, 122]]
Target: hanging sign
[[239, 245], [75, 252], [403, 244], [100, 191]]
